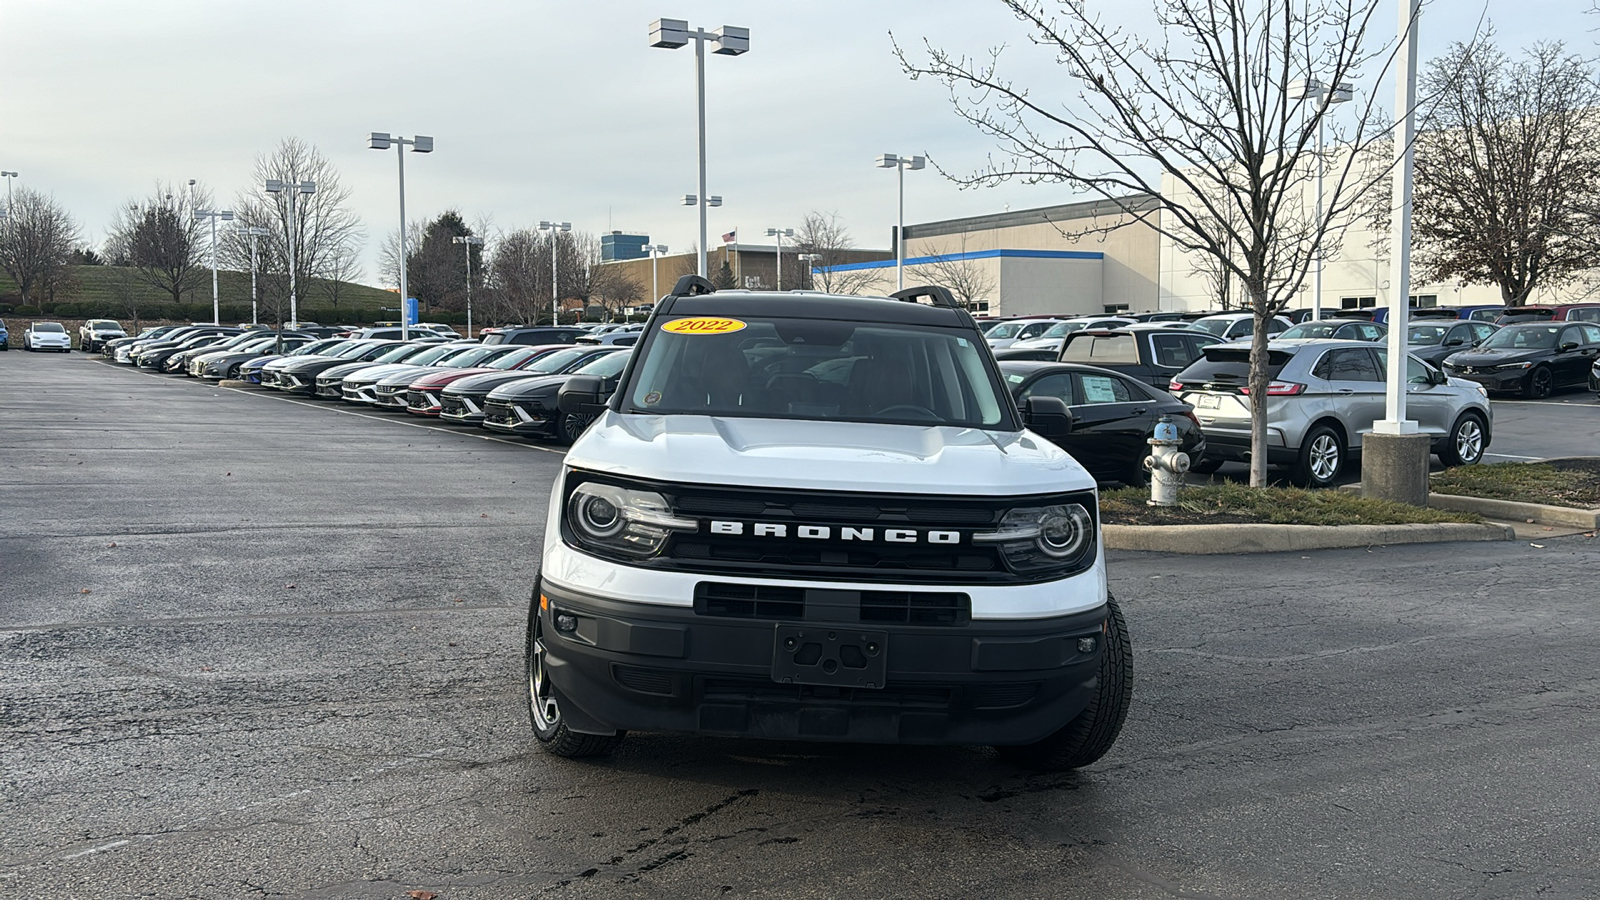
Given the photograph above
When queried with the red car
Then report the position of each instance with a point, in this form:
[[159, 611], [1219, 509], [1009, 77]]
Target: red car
[[422, 395]]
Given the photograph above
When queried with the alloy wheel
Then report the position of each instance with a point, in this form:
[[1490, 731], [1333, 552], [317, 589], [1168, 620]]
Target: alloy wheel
[[541, 699], [1324, 457], [1469, 441]]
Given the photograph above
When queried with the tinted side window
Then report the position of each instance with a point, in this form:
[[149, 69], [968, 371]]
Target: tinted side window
[[1172, 351], [1058, 385], [1349, 364], [1481, 331], [1591, 333], [1572, 335], [1591, 314]]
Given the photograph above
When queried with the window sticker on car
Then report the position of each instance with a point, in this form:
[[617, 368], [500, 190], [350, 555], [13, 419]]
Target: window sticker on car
[[703, 325], [1097, 389]]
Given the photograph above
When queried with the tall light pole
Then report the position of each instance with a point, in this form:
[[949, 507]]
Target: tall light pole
[[900, 164], [254, 233], [293, 190], [808, 258], [379, 140], [225, 215], [470, 240], [656, 251], [1405, 102], [780, 234], [556, 229], [9, 177], [728, 40], [1326, 95]]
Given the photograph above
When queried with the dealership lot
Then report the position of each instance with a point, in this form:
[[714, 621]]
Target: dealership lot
[[255, 648]]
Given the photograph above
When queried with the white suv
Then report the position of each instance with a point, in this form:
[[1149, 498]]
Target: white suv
[[1323, 397], [816, 517]]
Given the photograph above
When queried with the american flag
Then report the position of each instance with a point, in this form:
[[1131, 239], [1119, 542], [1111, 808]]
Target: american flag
[[731, 236]]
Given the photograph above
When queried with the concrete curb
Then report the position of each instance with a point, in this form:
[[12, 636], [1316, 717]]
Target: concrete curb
[[1255, 538], [231, 383], [1571, 517]]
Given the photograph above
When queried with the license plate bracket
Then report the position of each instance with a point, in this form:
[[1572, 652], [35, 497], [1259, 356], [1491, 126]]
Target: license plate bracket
[[831, 655], [1207, 401]]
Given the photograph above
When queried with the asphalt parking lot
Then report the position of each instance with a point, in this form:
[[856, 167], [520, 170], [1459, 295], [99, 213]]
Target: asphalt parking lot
[[255, 649]]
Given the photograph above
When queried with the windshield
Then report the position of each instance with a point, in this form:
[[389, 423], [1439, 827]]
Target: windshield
[[404, 351], [259, 343], [555, 362], [314, 347], [819, 370], [1527, 337], [516, 358], [1005, 330], [1311, 330], [351, 350], [1062, 329], [43, 327], [1214, 326], [1426, 335], [103, 324], [609, 365], [473, 356]]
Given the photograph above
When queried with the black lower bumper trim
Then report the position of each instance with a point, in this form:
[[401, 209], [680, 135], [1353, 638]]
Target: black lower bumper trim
[[630, 666]]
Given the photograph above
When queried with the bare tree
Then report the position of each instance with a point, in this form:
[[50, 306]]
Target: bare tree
[[1196, 132], [952, 269], [326, 232], [36, 239], [1508, 169], [824, 235], [163, 239], [519, 277]]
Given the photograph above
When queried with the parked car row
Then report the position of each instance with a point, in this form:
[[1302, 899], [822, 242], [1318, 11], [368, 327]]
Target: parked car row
[[507, 384]]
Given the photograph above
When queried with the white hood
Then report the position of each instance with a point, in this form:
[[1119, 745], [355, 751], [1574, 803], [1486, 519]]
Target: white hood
[[817, 455]]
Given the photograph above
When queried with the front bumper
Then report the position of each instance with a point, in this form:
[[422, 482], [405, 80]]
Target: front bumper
[[631, 666], [1505, 380], [423, 403], [519, 418], [463, 409]]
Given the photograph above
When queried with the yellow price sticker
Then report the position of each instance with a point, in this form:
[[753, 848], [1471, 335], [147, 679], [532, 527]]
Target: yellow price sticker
[[703, 325]]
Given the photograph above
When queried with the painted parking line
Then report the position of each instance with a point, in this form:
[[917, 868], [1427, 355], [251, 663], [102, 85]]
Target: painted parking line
[[350, 412], [1512, 456]]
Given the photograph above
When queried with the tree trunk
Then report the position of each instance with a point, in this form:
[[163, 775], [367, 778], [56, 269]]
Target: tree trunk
[[1258, 390]]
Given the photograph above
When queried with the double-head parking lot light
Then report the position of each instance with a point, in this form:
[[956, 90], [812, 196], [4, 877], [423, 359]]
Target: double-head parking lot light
[[900, 164], [729, 40], [225, 215], [470, 240], [380, 140], [291, 189]]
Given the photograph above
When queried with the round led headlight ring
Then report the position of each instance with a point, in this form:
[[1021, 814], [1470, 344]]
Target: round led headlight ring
[[1064, 531], [595, 515]]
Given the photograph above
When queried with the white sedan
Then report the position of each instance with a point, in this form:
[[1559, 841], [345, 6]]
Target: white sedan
[[47, 336]]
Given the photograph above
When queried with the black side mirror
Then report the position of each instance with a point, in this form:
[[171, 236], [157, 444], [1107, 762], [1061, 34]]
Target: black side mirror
[[1454, 342], [584, 395], [1568, 346], [1436, 376], [1047, 417]]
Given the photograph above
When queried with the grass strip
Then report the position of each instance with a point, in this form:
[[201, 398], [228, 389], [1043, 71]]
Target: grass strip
[[1234, 503], [1566, 482]]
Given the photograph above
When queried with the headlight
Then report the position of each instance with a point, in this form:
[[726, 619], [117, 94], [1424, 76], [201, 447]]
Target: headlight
[[622, 520], [1038, 538]]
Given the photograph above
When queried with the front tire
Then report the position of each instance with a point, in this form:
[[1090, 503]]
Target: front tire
[[1088, 736], [1539, 384], [570, 427], [1467, 440], [1321, 460], [544, 713]]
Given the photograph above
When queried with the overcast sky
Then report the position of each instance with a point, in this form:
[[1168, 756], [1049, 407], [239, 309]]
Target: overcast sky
[[540, 109]]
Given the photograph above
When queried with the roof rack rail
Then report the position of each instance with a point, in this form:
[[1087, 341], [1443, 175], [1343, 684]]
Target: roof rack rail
[[937, 295], [693, 285]]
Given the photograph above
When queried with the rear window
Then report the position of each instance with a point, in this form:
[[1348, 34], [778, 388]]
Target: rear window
[[1226, 364], [1100, 349]]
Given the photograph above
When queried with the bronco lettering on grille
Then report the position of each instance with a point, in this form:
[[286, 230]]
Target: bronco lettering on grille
[[826, 532]]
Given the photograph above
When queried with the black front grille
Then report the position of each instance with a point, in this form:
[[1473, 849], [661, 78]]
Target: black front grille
[[901, 539], [916, 608], [499, 412], [749, 601], [778, 603], [452, 405]]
